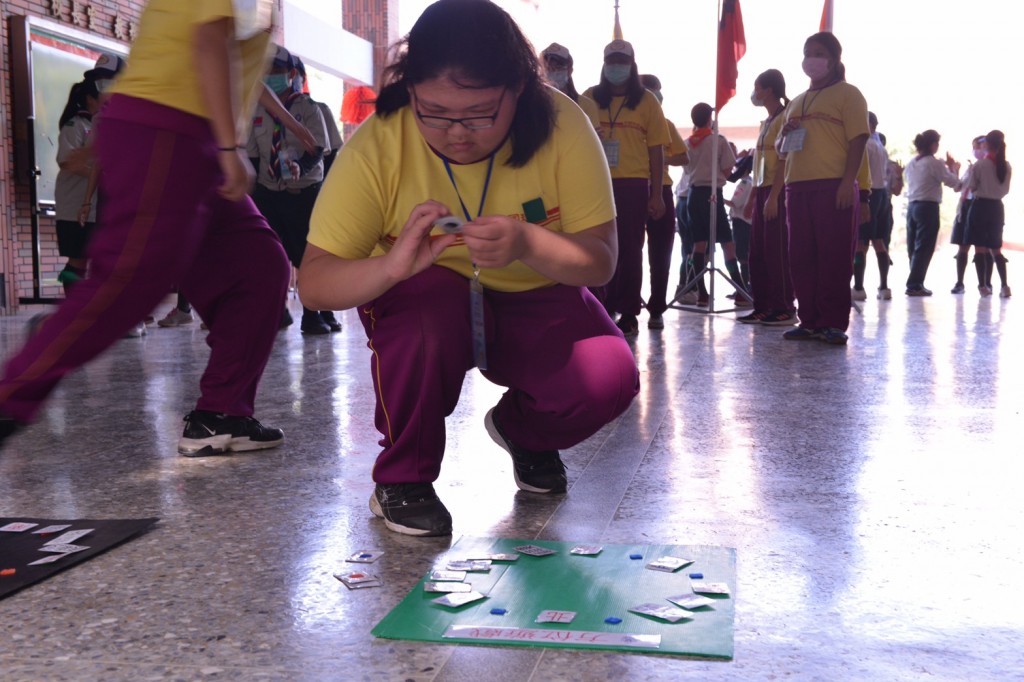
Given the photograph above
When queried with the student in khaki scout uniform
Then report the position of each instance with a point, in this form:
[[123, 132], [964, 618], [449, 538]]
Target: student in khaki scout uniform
[[301, 84], [288, 179]]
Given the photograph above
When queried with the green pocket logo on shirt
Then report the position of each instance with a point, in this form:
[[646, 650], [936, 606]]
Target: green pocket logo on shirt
[[534, 211]]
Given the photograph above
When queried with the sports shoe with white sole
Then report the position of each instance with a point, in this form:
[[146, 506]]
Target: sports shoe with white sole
[[535, 472], [411, 509], [210, 433]]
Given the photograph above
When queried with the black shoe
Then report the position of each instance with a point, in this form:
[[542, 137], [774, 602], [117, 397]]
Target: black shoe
[[209, 433], [8, 427], [332, 322], [629, 326], [286, 319], [535, 472], [755, 317], [313, 324], [411, 509]]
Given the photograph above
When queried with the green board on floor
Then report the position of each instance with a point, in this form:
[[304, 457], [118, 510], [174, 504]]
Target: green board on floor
[[594, 587]]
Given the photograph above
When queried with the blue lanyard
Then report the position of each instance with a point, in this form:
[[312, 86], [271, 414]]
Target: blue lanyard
[[483, 196]]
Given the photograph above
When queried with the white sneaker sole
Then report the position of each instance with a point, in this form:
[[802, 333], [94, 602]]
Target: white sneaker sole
[[220, 445]]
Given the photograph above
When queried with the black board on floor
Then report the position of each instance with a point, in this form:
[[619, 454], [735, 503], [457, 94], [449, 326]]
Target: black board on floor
[[19, 549]]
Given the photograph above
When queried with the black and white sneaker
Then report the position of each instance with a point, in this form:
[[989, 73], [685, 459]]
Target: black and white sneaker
[[535, 472], [411, 509], [8, 427], [210, 433]]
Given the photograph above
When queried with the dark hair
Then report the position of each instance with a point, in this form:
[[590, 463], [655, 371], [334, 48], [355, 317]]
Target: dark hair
[[924, 141], [570, 87], [634, 90], [76, 101], [833, 47], [701, 114], [872, 121], [996, 143], [478, 45], [774, 81]]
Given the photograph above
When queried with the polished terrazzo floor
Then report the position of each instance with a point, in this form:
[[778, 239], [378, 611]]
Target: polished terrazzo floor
[[872, 492]]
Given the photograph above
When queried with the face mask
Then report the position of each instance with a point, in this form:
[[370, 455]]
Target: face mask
[[559, 78], [979, 154], [297, 84], [617, 74], [755, 100], [103, 84], [816, 68], [278, 82]]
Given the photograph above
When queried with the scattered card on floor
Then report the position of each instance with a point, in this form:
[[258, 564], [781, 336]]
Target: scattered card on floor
[[709, 588], [48, 559], [493, 557], [355, 580], [691, 601], [668, 563], [555, 617], [51, 529], [365, 556], [586, 550], [448, 576], [472, 566], [17, 527], [534, 550], [670, 613], [459, 599], [69, 537], [63, 549], [430, 586]]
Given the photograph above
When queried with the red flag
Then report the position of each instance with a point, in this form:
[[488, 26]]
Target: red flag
[[826, 17], [731, 46]]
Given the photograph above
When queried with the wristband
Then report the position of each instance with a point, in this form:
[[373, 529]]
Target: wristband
[[228, 149]]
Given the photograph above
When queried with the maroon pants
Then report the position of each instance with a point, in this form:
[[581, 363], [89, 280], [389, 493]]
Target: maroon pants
[[567, 367], [822, 240], [660, 235], [622, 293], [770, 280], [163, 224]]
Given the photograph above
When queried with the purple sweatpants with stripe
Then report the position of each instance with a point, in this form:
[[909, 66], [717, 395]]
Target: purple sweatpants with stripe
[[622, 293], [822, 240], [567, 367], [162, 223], [769, 257]]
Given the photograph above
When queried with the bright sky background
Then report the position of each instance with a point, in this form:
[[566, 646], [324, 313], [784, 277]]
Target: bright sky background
[[944, 64]]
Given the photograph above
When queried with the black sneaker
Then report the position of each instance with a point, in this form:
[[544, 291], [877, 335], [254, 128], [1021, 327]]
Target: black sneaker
[[411, 509], [286, 319], [313, 324], [755, 317], [629, 326], [535, 472], [210, 433], [332, 322], [8, 427]]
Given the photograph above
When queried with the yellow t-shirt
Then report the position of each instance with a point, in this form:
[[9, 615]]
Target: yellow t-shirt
[[387, 168], [675, 146], [589, 108], [635, 130], [160, 66], [765, 156], [832, 117]]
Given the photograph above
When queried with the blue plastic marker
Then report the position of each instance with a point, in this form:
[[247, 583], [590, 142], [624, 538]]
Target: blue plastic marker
[[697, 576], [636, 556], [612, 620], [498, 612]]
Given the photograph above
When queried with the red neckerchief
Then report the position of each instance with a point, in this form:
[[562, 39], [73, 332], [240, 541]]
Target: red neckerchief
[[698, 136]]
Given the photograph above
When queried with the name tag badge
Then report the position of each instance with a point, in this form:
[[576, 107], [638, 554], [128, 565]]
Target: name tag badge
[[611, 150], [794, 140]]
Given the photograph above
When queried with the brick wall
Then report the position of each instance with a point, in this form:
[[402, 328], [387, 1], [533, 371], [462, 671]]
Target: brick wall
[[111, 19]]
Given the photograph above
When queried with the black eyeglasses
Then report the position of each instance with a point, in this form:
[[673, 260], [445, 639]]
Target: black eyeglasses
[[470, 122]]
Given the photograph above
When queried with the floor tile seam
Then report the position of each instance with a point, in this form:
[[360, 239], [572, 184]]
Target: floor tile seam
[[136, 663], [636, 460]]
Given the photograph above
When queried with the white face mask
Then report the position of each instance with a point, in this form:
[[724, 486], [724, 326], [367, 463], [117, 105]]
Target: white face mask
[[104, 84], [755, 100], [816, 68], [617, 74], [979, 154], [559, 78]]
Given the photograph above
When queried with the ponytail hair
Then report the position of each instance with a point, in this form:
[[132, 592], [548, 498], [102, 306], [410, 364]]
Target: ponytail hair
[[773, 80], [996, 143], [77, 103], [924, 141]]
